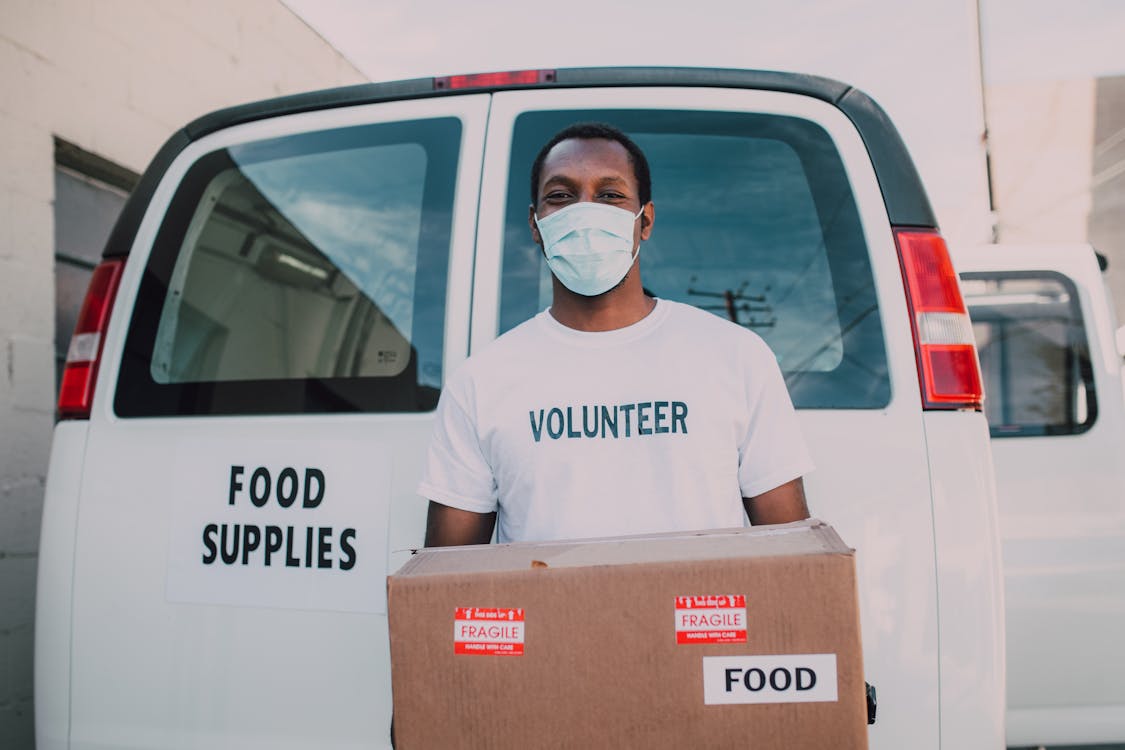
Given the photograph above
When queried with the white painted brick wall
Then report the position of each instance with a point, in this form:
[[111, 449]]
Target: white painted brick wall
[[115, 77]]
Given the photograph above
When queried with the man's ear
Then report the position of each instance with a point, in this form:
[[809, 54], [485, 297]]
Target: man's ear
[[648, 216], [534, 228]]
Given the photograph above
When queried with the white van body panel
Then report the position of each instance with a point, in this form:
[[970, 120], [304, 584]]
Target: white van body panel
[[1062, 523], [211, 661]]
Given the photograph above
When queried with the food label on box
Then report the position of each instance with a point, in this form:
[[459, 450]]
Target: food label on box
[[488, 631], [797, 678], [711, 619]]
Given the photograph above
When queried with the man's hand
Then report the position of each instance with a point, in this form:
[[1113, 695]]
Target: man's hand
[[447, 527], [780, 505]]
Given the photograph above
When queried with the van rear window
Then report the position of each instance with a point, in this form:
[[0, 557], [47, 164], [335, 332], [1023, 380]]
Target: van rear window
[[299, 274], [1034, 356], [755, 222]]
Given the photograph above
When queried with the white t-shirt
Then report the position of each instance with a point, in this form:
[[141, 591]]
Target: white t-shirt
[[664, 425]]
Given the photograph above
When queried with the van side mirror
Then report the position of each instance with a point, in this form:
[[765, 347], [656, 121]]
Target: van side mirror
[[1120, 340]]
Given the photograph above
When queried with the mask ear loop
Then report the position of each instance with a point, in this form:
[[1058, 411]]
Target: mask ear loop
[[638, 250], [639, 214]]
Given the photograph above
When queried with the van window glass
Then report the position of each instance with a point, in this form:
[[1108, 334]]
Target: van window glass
[[300, 274], [1034, 356], [755, 222]]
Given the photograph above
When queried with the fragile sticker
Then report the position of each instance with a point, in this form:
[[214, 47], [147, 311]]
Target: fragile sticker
[[719, 618], [783, 678], [488, 631]]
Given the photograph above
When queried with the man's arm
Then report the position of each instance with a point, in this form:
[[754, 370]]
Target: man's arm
[[779, 505], [447, 527]]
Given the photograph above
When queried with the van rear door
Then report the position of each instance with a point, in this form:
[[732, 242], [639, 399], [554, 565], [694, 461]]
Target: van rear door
[[768, 212], [300, 287]]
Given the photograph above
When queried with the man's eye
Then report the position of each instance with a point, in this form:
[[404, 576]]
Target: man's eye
[[612, 196], [556, 195]]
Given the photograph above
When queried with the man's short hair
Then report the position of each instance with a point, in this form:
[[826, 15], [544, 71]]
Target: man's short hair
[[588, 131]]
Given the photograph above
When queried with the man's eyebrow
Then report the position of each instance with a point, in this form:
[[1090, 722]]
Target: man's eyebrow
[[564, 179]]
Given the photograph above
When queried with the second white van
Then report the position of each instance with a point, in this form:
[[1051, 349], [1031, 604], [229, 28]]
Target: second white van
[[1051, 354]]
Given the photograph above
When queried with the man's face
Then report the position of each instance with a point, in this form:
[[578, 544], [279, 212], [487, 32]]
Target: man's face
[[589, 170]]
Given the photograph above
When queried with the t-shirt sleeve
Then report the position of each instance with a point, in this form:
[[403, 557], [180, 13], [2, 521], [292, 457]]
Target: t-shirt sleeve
[[456, 472], [773, 450]]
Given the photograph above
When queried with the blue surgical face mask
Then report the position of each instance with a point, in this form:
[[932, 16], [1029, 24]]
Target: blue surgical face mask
[[589, 246]]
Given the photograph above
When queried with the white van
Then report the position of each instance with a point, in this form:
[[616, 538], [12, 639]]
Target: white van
[[250, 389], [1052, 368]]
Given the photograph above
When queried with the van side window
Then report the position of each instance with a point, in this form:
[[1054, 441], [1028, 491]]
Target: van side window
[[1034, 355], [301, 274], [755, 222]]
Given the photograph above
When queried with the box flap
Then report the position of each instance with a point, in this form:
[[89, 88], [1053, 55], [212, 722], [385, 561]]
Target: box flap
[[798, 538]]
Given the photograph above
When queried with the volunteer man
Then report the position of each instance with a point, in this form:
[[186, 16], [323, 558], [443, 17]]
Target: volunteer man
[[612, 412]]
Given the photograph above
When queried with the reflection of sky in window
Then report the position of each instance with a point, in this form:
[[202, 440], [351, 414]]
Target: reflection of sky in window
[[736, 214], [362, 209], [757, 205]]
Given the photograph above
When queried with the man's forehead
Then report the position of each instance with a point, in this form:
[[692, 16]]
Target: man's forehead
[[601, 153]]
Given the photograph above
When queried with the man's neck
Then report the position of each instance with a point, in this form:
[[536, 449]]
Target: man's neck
[[617, 308]]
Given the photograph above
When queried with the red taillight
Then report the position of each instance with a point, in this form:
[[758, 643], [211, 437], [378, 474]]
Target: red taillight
[[76, 393], [943, 335], [490, 80]]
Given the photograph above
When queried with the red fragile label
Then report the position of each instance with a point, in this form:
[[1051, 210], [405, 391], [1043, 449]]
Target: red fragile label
[[488, 631], [715, 618]]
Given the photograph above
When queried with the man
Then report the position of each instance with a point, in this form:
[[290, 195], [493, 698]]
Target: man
[[612, 412]]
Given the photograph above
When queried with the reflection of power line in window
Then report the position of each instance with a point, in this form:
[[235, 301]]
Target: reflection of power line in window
[[737, 304], [802, 368], [843, 200], [833, 327]]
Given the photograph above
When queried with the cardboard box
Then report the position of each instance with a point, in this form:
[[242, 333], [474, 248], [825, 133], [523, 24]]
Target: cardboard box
[[741, 638]]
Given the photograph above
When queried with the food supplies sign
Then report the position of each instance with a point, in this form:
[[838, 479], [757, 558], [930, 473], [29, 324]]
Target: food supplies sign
[[488, 631], [287, 524], [717, 618]]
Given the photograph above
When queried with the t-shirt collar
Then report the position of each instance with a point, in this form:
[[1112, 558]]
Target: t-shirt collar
[[602, 339]]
